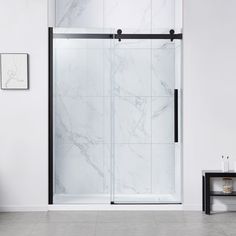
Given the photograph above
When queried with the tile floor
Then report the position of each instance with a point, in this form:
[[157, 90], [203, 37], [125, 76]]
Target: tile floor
[[117, 223]]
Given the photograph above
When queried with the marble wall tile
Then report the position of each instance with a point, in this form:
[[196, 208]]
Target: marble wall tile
[[141, 16], [127, 14], [80, 119], [80, 162], [80, 151], [74, 74], [163, 168], [137, 44], [132, 168], [132, 120], [107, 72], [79, 13], [82, 116], [131, 73], [163, 14], [162, 120], [163, 71], [107, 167], [107, 119]]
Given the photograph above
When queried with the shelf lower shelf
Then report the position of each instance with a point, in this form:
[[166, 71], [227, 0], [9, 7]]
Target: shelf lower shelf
[[220, 193]]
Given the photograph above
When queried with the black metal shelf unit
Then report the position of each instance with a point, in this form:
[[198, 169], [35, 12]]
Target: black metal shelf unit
[[222, 194], [206, 188]]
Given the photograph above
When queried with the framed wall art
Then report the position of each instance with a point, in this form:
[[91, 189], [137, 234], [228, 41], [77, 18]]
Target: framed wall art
[[14, 71]]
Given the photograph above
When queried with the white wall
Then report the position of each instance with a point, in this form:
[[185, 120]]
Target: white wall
[[209, 90], [209, 98], [23, 119]]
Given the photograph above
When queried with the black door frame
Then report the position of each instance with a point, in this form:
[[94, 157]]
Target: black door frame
[[171, 36]]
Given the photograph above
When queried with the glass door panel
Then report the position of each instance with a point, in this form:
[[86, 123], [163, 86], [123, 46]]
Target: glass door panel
[[145, 157], [81, 119], [114, 119]]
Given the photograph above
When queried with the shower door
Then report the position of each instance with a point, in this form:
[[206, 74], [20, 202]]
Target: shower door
[[81, 116], [116, 118], [145, 129]]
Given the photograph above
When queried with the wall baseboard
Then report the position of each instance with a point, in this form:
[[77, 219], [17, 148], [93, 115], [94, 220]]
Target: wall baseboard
[[224, 207], [214, 207], [12, 208]]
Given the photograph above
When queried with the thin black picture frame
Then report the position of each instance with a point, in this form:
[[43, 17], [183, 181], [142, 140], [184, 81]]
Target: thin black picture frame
[[27, 71]]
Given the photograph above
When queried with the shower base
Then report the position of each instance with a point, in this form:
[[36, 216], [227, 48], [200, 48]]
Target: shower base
[[119, 199]]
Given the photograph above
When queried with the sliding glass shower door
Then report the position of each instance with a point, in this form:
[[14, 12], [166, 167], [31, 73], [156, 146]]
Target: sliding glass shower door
[[81, 118], [116, 113], [145, 157]]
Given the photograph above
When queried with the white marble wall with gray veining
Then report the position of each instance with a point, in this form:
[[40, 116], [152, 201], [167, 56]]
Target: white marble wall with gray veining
[[138, 15], [82, 117], [123, 89]]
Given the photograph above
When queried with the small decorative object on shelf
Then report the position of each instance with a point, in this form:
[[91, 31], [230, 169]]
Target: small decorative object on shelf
[[227, 185], [225, 164]]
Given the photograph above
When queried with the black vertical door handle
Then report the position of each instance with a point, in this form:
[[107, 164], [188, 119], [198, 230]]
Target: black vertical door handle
[[176, 121]]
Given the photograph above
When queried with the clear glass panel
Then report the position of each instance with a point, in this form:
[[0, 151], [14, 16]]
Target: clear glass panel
[[82, 119], [145, 160], [114, 119]]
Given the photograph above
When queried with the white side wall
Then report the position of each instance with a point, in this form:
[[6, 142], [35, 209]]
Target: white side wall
[[23, 119], [209, 90], [209, 99]]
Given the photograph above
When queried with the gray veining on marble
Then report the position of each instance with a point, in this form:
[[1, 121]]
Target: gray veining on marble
[[142, 16], [122, 90], [129, 178], [79, 13]]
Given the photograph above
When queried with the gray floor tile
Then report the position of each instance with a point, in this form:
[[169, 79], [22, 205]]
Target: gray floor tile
[[6, 217], [186, 229], [63, 228], [71, 216], [50, 229], [192, 217], [21, 217], [126, 216], [117, 223], [81, 229], [107, 230], [228, 228], [111, 216], [125, 228], [169, 216], [16, 229], [111, 226], [220, 217], [147, 229], [140, 216]]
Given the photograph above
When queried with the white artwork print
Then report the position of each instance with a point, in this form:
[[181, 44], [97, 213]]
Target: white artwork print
[[14, 71]]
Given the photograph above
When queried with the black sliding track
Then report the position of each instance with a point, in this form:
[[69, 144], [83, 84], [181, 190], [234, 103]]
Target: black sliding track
[[144, 203], [118, 36]]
